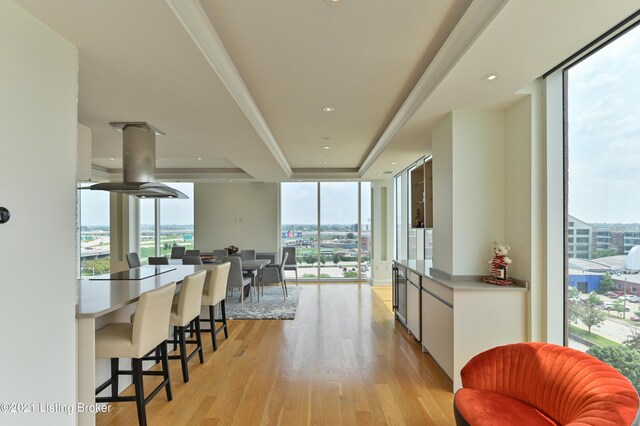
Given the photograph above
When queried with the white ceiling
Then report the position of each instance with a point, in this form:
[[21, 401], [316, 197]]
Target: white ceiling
[[241, 84]]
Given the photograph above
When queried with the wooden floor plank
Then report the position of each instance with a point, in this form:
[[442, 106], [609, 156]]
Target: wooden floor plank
[[343, 360]]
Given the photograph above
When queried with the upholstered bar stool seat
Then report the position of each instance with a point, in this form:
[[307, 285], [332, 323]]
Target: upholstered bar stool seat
[[147, 333]]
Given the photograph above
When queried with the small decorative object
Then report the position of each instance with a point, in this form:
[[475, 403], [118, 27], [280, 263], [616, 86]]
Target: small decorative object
[[499, 265], [232, 249], [417, 221]]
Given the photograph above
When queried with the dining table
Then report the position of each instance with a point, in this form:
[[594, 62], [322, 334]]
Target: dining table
[[253, 266]]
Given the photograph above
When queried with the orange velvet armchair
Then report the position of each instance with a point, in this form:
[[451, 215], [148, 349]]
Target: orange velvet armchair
[[542, 384]]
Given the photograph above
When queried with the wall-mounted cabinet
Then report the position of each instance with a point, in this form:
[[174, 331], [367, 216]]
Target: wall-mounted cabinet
[[421, 185]]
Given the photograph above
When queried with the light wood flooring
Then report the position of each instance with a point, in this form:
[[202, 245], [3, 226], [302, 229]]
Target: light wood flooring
[[343, 360]]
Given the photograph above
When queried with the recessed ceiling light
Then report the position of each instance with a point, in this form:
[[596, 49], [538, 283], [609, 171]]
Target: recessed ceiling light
[[112, 159], [332, 2], [299, 180], [328, 109], [325, 162], [393, 163], [490, 77], [326, 147], [199, 158], [230, 180]]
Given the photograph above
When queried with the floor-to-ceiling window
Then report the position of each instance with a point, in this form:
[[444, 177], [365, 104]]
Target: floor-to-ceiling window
[[299, 225], [329, 223], [147, 230], [95, 247], [176, 221], [366, 244], [163, 224], [339, 229], [603, 204]]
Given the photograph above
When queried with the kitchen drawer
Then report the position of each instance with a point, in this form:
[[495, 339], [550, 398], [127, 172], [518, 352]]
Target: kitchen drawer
[[438, 290], [414, 278]]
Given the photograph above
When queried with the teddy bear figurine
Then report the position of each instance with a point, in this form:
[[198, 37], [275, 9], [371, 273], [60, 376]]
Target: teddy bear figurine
[[500, 262]]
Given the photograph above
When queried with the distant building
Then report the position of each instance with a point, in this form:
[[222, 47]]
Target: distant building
[[579, 239]]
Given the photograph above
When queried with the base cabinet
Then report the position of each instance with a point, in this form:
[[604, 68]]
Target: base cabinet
[[413, 306], [437, 330], [459, 324]]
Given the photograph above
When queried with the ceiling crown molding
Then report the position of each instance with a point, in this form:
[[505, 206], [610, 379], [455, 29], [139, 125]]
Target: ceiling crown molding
[[474, 21], [199, 27]]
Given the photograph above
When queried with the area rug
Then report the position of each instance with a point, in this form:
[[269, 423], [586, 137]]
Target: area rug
[[271, 305]]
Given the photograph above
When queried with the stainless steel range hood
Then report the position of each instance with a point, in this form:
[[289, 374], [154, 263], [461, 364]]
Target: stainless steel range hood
[[139, 164]]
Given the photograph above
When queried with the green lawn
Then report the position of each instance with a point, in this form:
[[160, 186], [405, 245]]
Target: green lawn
[[593, 338]]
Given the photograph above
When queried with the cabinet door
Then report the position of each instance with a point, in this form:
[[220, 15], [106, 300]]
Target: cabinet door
[[437, 331]]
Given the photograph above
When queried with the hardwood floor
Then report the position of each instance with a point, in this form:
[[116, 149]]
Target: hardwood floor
[[343, 360]]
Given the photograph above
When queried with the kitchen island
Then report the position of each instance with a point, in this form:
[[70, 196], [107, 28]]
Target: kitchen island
[[105, 299]]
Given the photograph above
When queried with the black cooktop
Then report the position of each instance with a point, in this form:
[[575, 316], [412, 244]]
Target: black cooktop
[[139, 273]]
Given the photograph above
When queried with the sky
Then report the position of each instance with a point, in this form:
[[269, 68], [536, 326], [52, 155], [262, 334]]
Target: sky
[[338, 201], [95, 208], [604, 134]]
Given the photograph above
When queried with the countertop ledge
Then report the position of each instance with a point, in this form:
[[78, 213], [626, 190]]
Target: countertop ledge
[[425, 269]]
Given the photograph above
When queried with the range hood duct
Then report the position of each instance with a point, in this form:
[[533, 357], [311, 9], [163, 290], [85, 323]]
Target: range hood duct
[[139, 164]]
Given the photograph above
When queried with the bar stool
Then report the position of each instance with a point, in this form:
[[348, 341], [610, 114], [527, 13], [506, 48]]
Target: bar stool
[[185, 314], [215, 292], [148, 332]]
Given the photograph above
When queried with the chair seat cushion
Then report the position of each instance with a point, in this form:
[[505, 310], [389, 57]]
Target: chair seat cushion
[[114, 341], [481, 408]]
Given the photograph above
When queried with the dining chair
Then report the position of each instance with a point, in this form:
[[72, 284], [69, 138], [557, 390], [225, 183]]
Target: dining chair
[[219, 254], [291, 264], [274, 274], [192, 260], [147, 332], [236, 279], [177, 252], [248, 255], [159, 260], [214, 295], [133, 260], [192, 253]]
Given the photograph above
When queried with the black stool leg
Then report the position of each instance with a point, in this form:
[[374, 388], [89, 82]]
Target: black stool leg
[[175, 337], [115, 365], [165, 369], [224, 319], [212, 321], [183, 354], [136, 366], [196, 323]]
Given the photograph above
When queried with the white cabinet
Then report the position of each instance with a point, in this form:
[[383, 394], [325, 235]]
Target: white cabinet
[[413, 305], [437, 328]]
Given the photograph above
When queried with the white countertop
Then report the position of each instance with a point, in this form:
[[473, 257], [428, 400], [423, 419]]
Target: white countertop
[[97, 298], [423, 268]]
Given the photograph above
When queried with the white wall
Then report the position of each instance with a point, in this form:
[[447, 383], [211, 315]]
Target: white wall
[[38, 118], [478, 188], [441, 143], [469, 190], [242, 214]]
